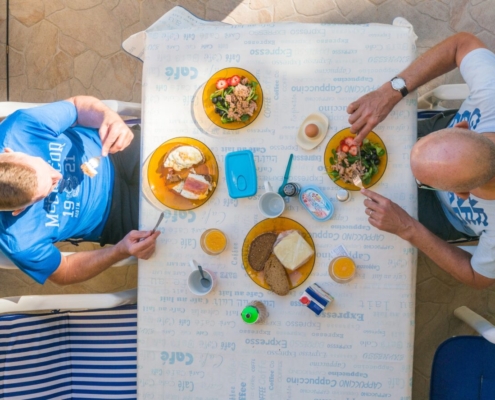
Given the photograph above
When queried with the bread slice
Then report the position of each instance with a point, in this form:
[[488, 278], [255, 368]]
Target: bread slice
[[276, 276], [260, 249]]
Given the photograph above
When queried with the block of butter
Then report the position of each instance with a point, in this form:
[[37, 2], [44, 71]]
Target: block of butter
[[293, 251]]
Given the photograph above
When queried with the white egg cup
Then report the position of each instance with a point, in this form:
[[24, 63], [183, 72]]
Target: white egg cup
[[321, 121]]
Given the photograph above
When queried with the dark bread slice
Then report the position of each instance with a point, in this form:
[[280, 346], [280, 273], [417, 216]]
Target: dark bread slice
[[276, 276], [260, 249]]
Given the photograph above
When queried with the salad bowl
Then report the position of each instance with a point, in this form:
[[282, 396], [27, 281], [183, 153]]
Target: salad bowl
[[222, 87]]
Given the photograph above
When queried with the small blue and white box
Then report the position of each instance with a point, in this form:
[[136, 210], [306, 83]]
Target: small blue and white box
[[315, 298]]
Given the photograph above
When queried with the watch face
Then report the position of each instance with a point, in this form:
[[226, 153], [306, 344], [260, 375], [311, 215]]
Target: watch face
[[398, 83]]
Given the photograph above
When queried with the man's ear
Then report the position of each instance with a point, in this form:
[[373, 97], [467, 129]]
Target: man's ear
[[15, 213], [462, 125], [462, 195]]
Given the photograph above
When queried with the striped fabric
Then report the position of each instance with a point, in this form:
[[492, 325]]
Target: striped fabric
[[69, 355]]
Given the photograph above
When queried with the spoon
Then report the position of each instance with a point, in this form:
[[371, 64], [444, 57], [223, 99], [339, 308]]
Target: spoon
[[89, 167], [286, 177], [204, 281]]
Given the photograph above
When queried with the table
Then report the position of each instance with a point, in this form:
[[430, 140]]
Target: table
[[198, 347]]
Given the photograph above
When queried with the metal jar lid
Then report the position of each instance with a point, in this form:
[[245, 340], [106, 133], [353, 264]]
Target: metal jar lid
[[343, 195], [291, 189]]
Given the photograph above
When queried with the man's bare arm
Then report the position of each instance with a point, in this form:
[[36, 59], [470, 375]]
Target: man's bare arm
[[115, 135], [80, 267], [372, 108], [388, 216]]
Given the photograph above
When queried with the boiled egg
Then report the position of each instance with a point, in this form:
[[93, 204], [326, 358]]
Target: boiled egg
[[183, 157], [312, 131]]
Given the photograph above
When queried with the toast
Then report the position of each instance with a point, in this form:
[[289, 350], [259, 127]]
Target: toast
[[260, 249], [276, 276]]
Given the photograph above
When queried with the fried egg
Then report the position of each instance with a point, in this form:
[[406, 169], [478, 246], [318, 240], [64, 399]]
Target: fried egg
[[183, 157]]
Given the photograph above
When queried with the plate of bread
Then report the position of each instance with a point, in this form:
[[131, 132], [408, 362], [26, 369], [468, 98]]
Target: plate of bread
[[278, 254]]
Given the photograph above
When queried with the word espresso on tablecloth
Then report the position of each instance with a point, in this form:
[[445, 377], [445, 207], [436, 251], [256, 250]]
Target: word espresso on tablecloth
[[361, 345]]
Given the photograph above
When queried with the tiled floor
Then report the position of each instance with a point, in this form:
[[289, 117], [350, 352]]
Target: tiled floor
[[60, 48]]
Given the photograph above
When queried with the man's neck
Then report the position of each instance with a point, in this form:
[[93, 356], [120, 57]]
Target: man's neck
[[487, 191]]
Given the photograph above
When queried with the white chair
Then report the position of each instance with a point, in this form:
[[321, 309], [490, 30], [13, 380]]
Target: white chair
[[477, 322], [120, 107], [125, 109], [463, 366], [433, 99], [86, 351]]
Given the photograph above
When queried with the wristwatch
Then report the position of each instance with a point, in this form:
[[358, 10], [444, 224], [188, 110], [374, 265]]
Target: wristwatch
[[399, 84]]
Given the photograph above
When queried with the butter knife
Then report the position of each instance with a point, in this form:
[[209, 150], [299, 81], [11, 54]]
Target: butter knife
[[158, 222]]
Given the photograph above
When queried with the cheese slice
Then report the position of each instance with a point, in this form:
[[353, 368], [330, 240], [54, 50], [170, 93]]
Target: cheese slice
[[293, 251]]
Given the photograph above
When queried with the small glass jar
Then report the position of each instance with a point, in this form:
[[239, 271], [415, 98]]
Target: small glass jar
[[342, 269], [291, 189], [343, 195], [213, 241]]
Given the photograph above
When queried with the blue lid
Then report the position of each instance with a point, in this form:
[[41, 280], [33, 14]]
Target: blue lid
[[316, 203], [240, 174]]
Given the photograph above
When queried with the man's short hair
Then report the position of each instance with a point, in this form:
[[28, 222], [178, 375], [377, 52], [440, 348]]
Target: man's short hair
[[486, 157], [18, 185]]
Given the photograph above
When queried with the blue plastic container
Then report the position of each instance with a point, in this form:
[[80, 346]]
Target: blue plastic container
[[316, 203], [240, 174]]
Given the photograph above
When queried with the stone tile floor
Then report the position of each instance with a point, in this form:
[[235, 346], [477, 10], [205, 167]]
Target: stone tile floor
[[61, 48]]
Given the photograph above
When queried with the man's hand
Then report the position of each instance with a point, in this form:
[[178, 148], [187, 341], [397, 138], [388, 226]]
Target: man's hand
[[84, 265], [115, 135], [140, 244], [387, 216], [371, 109]]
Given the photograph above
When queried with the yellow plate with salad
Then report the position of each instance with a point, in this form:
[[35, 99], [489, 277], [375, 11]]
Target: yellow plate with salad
[[232, 98], [370, 158]]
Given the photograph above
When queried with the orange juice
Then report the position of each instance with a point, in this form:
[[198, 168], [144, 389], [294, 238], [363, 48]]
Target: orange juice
[[342, 269], [213, 241]]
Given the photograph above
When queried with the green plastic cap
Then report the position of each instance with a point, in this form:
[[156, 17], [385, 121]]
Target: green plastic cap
[[250, 315]]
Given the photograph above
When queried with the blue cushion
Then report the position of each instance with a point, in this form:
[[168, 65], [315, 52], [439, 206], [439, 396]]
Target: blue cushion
[[463, 369]]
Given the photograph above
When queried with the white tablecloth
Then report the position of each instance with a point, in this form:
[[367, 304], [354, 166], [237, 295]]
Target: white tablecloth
[[199, 348]]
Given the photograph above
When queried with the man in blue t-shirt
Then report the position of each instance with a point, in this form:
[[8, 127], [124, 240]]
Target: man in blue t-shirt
[[45, 197], [453, 162]]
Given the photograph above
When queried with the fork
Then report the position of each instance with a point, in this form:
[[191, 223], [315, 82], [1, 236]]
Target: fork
[[356, 180]]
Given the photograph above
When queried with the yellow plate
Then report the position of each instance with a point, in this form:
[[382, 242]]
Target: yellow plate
[[334, 142], [278, 225], [157, 174], [210, 87]]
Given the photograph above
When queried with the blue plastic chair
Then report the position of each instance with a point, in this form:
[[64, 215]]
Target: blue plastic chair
[[464, 369], [464, 366]]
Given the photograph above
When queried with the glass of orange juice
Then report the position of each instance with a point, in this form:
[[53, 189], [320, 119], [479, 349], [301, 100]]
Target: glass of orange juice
[[213, 241], [342, 269]]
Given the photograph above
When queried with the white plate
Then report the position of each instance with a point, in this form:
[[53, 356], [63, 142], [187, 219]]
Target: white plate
[[321, 121]]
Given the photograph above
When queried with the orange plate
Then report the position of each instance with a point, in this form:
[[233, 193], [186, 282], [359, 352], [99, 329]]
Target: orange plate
[[156, 174], [278, 225], [210, 87], [334, 142]]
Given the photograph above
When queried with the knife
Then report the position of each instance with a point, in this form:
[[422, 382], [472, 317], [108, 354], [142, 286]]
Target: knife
[[286, 177], [158, 222]]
